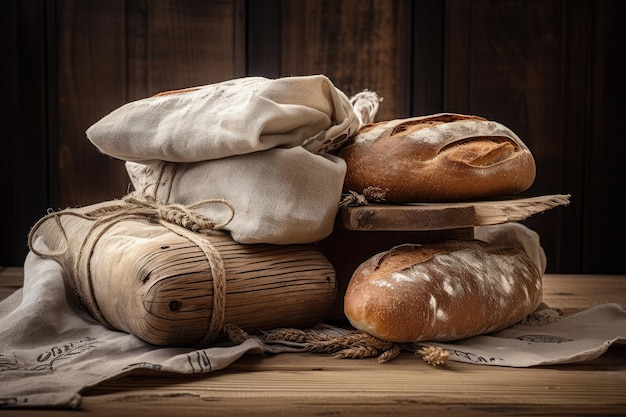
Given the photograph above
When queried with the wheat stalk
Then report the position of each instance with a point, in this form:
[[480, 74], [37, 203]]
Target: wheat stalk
[[353, 345], [434, 355]]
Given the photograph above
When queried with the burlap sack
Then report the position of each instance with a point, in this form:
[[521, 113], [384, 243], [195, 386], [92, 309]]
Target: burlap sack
[[230, 118]]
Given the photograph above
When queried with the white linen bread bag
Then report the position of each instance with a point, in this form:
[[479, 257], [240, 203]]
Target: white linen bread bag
[[279, 196], [261, 144]]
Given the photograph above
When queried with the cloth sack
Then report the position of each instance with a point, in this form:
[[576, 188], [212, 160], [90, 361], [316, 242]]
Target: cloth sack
[[229, 118], [279, 196], [261, 144]]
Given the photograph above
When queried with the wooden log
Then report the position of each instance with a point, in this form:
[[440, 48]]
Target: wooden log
[[138, 276]]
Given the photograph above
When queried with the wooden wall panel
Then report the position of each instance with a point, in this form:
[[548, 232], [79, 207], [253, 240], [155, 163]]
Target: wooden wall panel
[[23, 146], [91, 65], [504, 61], [263, 38], [116, 51], [179, 44], [604, 221], [427, 65], [358, 44], [574, 124]]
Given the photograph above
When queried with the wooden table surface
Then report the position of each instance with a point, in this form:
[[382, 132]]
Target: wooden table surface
[[300, 384]]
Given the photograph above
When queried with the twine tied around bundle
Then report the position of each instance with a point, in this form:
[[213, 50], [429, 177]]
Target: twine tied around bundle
[[180, 219]]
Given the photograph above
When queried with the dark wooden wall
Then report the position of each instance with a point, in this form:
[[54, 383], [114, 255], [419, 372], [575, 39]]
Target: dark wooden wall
[[548, 69]]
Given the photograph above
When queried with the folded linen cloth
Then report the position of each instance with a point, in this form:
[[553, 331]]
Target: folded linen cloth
[[229, 118], [546, 338]]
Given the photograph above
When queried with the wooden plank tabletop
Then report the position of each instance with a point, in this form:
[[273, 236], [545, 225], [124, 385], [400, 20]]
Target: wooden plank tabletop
[[300, 384]]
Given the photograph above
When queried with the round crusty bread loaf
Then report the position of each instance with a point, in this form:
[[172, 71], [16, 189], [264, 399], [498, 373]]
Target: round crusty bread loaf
[[443, 157], [442, 291]]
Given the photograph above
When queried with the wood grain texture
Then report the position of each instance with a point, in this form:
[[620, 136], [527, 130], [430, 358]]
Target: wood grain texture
[[604, 220], [312, 384], [263, 40], [427, 66], [160, 283], [24, 171], [577, 28], [91, 82], [357, 44], [572, 293], [188, 43], [504, 61], [397, 217], [445, 216]]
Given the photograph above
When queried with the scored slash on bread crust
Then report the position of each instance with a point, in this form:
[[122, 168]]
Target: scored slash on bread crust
[[444, 157]]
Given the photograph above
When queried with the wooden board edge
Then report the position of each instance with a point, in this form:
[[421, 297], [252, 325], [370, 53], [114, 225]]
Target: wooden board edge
[[444, 216]]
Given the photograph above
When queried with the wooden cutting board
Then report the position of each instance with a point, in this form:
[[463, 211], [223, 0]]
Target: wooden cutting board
[[444, 216]]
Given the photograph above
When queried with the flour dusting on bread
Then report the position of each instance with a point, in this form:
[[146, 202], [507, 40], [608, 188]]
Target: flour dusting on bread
[[442, 291]]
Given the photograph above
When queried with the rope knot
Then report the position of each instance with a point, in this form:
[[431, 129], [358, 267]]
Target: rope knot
[[178, 214]]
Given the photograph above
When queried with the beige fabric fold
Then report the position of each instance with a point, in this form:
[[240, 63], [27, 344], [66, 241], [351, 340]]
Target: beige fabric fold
[[229, 118], [279, 196]]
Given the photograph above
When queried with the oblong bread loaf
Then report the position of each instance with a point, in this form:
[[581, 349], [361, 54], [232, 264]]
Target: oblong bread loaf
[[443, 157], [442, 291]]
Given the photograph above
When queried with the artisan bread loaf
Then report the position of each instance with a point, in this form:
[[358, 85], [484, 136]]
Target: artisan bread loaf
[[443, 157], [442, 291]]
